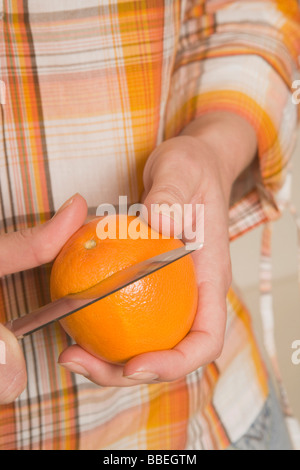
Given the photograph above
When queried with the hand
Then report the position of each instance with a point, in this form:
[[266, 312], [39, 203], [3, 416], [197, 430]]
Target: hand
[[23, 250], [199, 166]]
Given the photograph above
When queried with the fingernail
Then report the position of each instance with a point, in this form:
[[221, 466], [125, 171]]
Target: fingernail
[[74, 367], [143, 375], [66, 204]]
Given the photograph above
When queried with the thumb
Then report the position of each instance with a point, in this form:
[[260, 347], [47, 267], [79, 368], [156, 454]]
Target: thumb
[[23, 250], [13, 375], [39, 245]]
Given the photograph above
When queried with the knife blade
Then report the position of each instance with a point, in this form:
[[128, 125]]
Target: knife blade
[[72, 303]]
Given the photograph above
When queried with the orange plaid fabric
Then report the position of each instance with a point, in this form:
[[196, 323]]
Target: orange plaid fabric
[[91, 89]]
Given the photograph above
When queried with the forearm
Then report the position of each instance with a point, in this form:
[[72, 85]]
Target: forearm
[[231, 138]]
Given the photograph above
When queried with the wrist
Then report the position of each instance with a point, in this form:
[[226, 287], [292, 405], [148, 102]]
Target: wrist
[[231, 141]]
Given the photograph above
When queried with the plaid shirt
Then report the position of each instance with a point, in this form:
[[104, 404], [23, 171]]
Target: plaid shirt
[[91, 88]]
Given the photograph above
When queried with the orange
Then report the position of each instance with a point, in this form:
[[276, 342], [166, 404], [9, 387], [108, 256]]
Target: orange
[[154, 313]]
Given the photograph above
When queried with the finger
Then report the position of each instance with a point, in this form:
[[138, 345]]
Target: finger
[[38, 245], [102, 373], [200, 347], [171, 179], [13, 375]]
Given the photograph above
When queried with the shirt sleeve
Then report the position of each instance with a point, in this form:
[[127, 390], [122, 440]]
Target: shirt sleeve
[[242, 56]]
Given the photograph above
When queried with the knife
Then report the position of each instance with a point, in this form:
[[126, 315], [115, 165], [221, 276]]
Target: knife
[[60, 308]]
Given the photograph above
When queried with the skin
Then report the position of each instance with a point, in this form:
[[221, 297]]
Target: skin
[[198, 166]]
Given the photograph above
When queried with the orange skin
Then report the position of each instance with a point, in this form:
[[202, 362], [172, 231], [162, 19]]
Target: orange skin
[[152, 314]]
